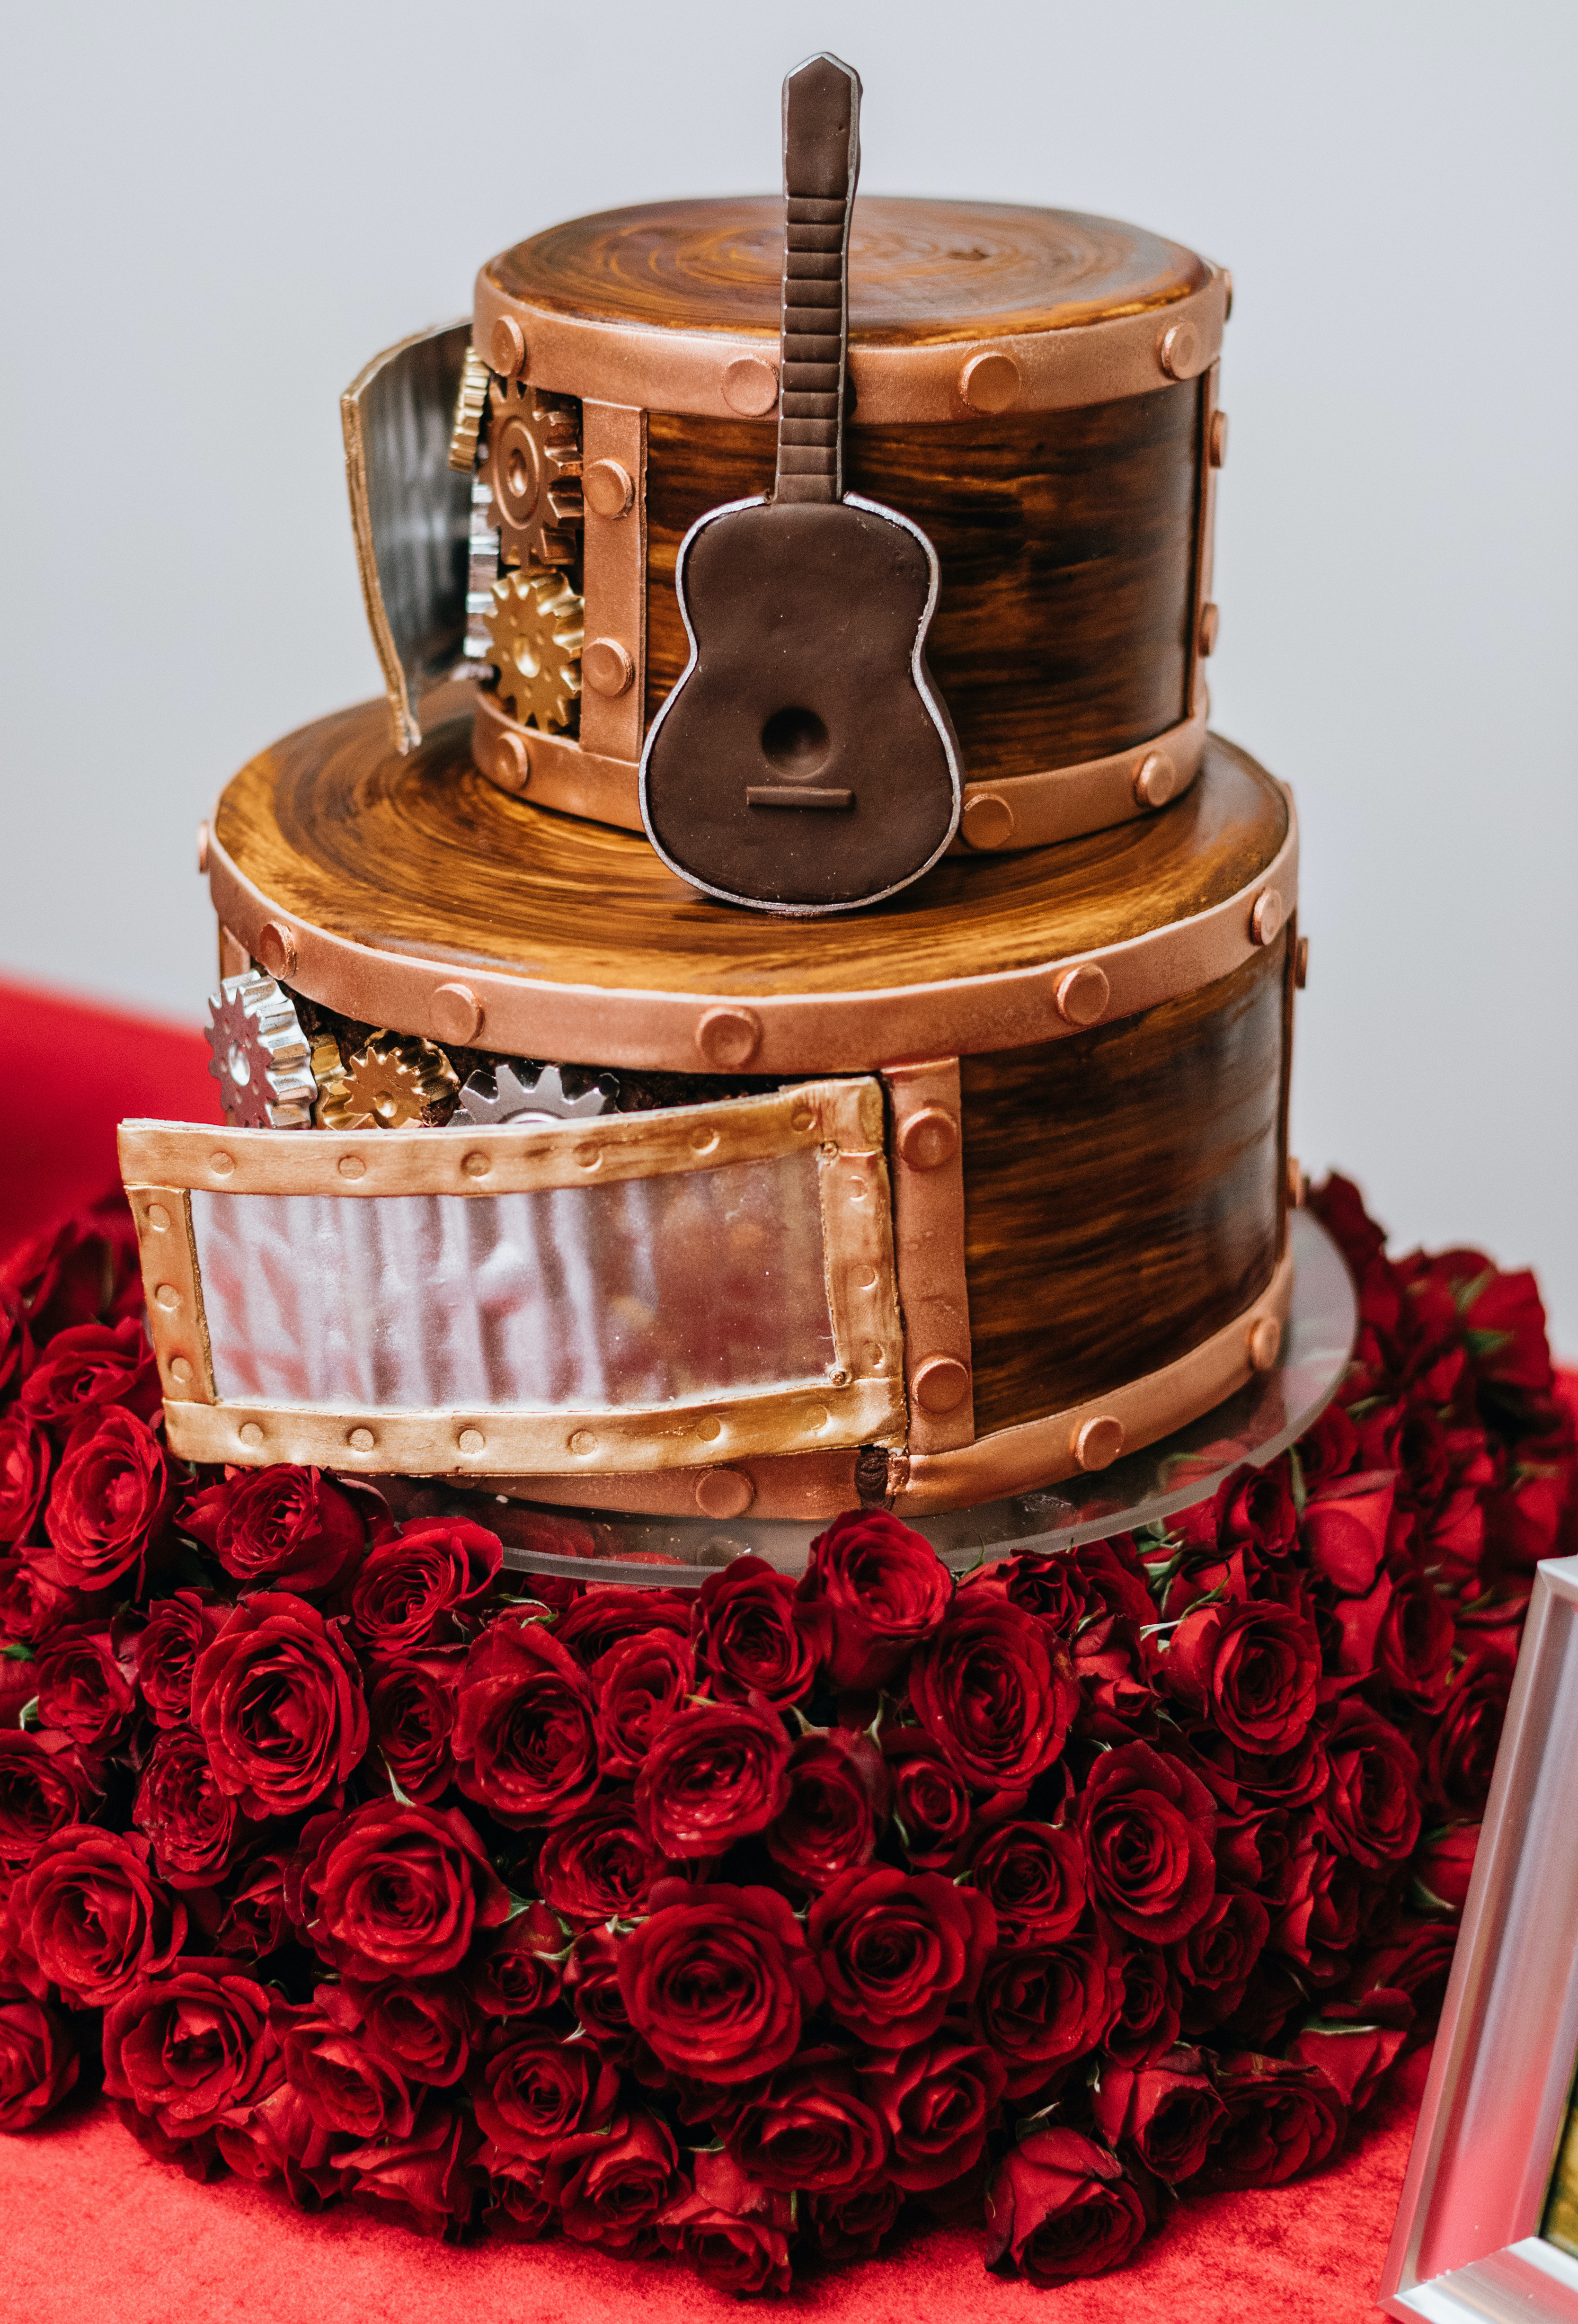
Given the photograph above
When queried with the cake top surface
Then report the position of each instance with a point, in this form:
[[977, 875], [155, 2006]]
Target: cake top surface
[[921, 271]]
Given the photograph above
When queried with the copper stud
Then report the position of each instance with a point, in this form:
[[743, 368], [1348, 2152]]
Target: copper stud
[[1210, 622], [929, 1139], [1301, 964], [724, 1493], [940, 1384], [588, 1157], [1265, 1343], [803, 1119], [1179, 351], [456, 1013], [750, 386], [710, 1430], [180, 1369], [1082, 993], [1267, 916], [1297, 1183], [168, 1297], [729, 1038], [1218, 445], [222, 1165], [351, 1166], [608, 488], [583, 1442], [1227, 287], [250, 1434], [702, 1139], [159, 1218], [507, 345], [471, 1442], [476, 1166], [362, 1440], [511, 762], [1155, 779], [988, 820], [989, 382], [607, 666], [1098, 1444], [202, 847], [276, 948]]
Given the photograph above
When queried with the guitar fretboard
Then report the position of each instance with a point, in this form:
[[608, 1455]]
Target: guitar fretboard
[[810, 387]]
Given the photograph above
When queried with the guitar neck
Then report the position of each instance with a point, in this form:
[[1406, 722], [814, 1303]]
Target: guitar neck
[[821, 160]]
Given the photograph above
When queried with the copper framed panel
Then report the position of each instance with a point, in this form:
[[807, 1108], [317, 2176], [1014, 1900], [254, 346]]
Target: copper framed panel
[[1467, 2242]]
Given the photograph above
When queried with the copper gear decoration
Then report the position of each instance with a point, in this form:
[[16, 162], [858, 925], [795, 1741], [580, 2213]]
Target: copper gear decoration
[[260, 1058], [532, 467], [534, 642], [393, 1081]]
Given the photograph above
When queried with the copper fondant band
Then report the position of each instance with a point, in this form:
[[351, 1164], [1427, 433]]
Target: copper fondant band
[[778, 1034]]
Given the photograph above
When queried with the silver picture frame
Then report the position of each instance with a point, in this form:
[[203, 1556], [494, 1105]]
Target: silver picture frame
[[1467, 2247]]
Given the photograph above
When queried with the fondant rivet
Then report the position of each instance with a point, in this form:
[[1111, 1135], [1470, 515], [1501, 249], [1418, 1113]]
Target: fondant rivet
[[1301, 964], [1219, 445], [507, 346], [476, 1166], [815, 1416], [159, 1218], [703, 1141], [202, 847], [750, 386], [803, 1119], [1210, 622], [351, 1166], [168, 1297], [710, 1430], [729, 1037], [1082, 993], [1096, 1445], [1155, 779], [1266, 918], [471, 1440], [1265, 1342], [1178, 350], [457, 1013], [511, 762], [589, 1157], [250, 1434], [1298, 1185], [362, 1440], [583, 1441], [608, 488], [606, 665], [929, 1139], [180, 1369], [724, 1493], [276, 948], [989, 382], [987, 821], [222, 1165], [941, 1384], [841, 1379]]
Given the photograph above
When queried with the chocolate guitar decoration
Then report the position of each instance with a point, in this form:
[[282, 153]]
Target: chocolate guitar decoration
[[803, 763]]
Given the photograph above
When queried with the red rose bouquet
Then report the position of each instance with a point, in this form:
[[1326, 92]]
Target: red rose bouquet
[[743, 1923]]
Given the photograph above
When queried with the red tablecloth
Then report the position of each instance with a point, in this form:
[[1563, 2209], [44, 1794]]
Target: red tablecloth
[[95, 2228]]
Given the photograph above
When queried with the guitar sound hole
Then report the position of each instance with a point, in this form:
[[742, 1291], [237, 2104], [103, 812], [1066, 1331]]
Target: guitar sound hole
[[795, 745]]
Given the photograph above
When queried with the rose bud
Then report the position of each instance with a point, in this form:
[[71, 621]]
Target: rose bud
[[1060, 2208], [279, 2138], [247, 1917], [1442, 1869], [513, 2203], [539, 2090], [716, 1980], [1353, 2043], [849, 2224], [346, 2089], [606, 1615], [421, 2031], [840, 1789], [165, 1650], [872, 1590], [994, 1691], [1281, 2118], [593, 1990], [1318, 1925], [276, 1699], [1147, 1827], [1251, 1671], [1150, 2014], [38, 2061], [1216, 1957], [1460, 1747], [88, 1366], [733, 2234], [517, 1972], [525, 1738], [411, 1713], [932, 1805], [96, 1918], [1416, 1963], [713, 1776], [399, 1890], [193, 1826], [897, 1950], [747, 1636], [1033, 1875], [1041, 2007], [293, 1527], [26, 1458], [191, 2048], [1344, 1532], [1372, 1802], [45, 1784], [598, 1866], [937, 2100], [31, 1606], [429, 2181], [1167, 2112], [108, 1504], [415, 1590], [641, 1683], [611, 2185], [809, 2127], [84, 1688]]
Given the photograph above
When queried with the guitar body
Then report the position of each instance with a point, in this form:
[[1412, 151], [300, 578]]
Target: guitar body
[[803, 763]]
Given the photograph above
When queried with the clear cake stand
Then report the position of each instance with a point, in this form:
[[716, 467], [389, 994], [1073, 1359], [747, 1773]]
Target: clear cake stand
[[1254, 1425]]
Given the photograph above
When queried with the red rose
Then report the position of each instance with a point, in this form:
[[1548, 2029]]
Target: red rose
[[733, 2232], [937, 2100], [165, 1651], [597, 1867], [89, 1366], [278, 1702], [191, 2049], [1505, 1324], [421, 2031], [1033, 1875], [539, 2090], [1216, 1958], [517, 1972], [31, 1605], [1250, 1670], [96, 1918], [1147, 1827], [717, 1979], [1442, 1867], [932, 1805], [108, 1503], [591, 1987], [1352, 2044], [1460, 1747], [1040, 2006], [414, 1590], [45, 1784], [248, 1917], [26, 1458], [607, 1615], [851, 2225], [809, 2127], [1416, 1963], [1167, 2111], [1344, 1532], [1149, 2016], [86, 1270], [1327, 1450], [839, 1792], [1320, 1923], [641, 1683], [429, 2181], [513, 2205], [1059, 2207], [84, 1689], [1372, 1802], [38, 2061], [747, 1636], [995, 1691], [295, 1528], [897, 1950], [411, 1713], [1281, 2118], [525, 1737], [611, 2184], [400, 1890], [279, 2138], [1400, 1631], [346, 2089], [713, 1776], [871, 1592], [192, 1825]]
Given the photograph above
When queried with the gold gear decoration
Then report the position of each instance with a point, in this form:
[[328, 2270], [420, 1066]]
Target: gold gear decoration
[[534, 642], [393, 1080], [469, 407], [532, 467], [328, 1066]]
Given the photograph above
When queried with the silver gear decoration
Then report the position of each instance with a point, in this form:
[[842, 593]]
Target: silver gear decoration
[[261, 1061], [502, 1093]]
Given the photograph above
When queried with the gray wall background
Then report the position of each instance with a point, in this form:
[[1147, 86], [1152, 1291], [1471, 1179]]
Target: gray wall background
[[213, 215]]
